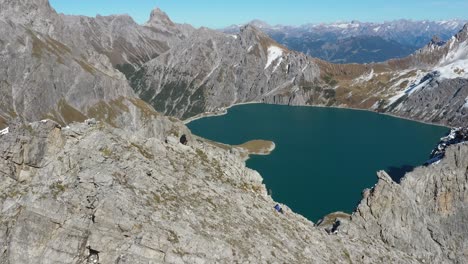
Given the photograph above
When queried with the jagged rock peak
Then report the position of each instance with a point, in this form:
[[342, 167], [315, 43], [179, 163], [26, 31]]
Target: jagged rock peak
[[159, 17], [24, 5], [436, 40], [252, 35], [35, 14], [462, 35], [251, 29], [465, 28]]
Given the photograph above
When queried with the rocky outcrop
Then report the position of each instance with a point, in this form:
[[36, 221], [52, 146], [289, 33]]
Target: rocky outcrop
[[456, 136], [89, 193], [427, 210]]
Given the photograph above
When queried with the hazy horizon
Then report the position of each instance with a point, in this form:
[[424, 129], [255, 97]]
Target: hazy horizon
[[212, 14]]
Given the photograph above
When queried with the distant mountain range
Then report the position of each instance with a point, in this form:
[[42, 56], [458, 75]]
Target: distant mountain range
[[182, 71], [358, 42]]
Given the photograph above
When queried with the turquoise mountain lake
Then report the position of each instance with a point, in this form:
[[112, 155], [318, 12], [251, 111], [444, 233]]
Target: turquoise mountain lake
[[324, 157]]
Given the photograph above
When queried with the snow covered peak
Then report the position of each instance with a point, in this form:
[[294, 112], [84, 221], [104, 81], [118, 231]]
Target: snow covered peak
[[259, 24], [339, 25]]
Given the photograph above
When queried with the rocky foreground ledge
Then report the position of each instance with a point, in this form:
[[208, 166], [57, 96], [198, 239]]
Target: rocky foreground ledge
[[90, 193]]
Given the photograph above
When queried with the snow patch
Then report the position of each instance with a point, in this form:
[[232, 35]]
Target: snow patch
[[466, 103], [250, 48], [345, 25], [376, 29], [233, 36], [455, 63], [274, 53], [395, 98], [4, 131], [458, 69], [460, 53], [452, 41], [365, 77]]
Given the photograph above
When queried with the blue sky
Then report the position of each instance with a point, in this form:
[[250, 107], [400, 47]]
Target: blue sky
[[221, 13]]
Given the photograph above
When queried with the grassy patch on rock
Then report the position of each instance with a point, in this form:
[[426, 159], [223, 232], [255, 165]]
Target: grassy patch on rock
[[258, 147]]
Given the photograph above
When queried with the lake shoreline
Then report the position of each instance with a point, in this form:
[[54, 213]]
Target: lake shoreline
[[221, 112], [318, 146], [224, 111]]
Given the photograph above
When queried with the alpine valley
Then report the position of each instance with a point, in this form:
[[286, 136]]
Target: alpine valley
[[92, 168]]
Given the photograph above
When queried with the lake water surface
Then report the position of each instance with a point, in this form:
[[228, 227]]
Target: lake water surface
[[324, 157]]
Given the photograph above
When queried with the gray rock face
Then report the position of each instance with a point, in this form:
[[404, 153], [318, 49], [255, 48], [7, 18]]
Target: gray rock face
[[64, 67], [432, 205], [211, 70], [122, 40], [440, 101], [40, 76], [90, 192]]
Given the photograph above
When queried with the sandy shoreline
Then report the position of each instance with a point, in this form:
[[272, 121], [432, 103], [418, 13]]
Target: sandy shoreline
[[255, 147], [258, 147]]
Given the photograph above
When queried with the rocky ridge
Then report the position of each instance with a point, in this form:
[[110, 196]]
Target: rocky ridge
[[430, 85], [407, 32], [212, 70], [65, 67], [90, 193]]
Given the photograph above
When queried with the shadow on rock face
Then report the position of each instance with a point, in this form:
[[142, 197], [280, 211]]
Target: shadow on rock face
[[396, 173]]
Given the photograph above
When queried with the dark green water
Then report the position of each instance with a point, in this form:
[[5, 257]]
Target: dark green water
[[324, 157]]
